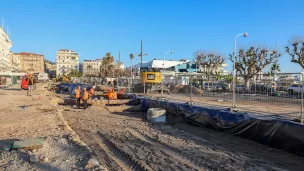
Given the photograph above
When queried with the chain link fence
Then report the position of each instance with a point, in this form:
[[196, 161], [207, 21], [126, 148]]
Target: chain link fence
[[278, 95]]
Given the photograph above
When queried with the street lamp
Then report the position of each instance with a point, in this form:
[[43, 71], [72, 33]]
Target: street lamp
[[162, 89], [234, 70]]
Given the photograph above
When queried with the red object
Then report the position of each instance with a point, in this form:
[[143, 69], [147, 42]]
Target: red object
[[122, 91], [24, 82]]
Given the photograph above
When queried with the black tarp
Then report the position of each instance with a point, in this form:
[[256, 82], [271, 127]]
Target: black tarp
[[276, 133]]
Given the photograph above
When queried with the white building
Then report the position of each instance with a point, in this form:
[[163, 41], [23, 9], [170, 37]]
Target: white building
[[175, 66], [156, 63], [92, 67], [66, 60], [5, 45]]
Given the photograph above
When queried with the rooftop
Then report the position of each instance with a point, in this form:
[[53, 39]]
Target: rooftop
[[28, 54]]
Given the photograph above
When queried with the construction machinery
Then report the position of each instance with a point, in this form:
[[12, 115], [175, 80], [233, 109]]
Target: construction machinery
[[150, 81]]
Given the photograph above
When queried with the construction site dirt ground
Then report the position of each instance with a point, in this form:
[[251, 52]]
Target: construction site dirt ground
[[120, 139], [123, 140]]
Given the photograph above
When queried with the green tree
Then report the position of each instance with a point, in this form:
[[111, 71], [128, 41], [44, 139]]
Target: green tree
[[275, 68], [218, 75], [107, 65], [228, 79], [75, 73]]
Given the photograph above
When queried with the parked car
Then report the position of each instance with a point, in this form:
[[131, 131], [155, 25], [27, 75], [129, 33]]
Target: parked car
[[240, 88], [295, 88], [262, 88], [213, 87], [196, 85]]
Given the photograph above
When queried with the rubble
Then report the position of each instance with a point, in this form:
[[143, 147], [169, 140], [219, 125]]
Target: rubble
[[34, 158]]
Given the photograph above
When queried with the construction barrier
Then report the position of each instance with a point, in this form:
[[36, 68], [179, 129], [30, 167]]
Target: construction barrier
[[267, 130]]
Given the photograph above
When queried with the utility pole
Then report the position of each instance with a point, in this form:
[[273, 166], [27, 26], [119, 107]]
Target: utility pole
[[141, 53], [118, 68]]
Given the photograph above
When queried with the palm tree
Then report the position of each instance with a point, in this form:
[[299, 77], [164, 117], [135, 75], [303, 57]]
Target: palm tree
[[218, 76], [228, 79], [107, 63], [131, 57], [275, 68]]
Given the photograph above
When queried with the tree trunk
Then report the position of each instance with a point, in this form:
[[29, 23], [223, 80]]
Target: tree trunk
[[247, 83]]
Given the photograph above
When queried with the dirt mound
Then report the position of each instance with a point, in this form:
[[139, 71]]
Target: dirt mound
[[186, 89], [103, 88]]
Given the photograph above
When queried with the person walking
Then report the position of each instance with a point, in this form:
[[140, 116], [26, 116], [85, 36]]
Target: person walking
[[78, 97], [30, 84], [85, 98]]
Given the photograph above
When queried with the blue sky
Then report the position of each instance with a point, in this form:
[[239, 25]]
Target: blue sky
[[95, 27]]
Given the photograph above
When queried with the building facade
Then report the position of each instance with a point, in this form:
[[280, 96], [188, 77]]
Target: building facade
[[14, 61], [66, 61], [92, 67], [5, 45], [182, 65], [30, 62], [50, 68], [81, 67]]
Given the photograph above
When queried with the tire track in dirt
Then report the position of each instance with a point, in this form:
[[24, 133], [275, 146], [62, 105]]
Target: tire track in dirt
[[101, 154], [196, 162], [154, 156], [123, 157], [107, 153]]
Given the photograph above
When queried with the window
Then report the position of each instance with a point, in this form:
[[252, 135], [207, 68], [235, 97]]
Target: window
[[295, 85]]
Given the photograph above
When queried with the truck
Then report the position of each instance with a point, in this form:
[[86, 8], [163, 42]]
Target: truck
[[43, 77]]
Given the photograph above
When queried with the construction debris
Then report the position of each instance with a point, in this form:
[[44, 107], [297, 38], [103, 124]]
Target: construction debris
[[29, 144]]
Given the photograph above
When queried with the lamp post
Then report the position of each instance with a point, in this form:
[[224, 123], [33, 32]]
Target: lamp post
[[162, 87], [234, 70]]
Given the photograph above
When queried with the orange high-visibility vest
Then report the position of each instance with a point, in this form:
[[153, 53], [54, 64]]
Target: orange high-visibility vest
[[77, 93], [91, 92], [85, 95]]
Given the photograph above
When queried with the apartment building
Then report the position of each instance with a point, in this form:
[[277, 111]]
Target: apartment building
[[5, 45], [92, 67], [30, 62], [14, 61], [66, 60]]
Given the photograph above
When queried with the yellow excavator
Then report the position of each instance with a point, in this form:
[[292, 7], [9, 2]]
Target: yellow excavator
[[151, 81]]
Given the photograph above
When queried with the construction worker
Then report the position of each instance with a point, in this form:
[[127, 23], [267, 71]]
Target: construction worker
[[91, 92], [78, 97], [30, 81], [85, 98]]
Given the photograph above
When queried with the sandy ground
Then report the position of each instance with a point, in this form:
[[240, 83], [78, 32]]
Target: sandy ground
[[24, 117], [123, 140], [120, 140]]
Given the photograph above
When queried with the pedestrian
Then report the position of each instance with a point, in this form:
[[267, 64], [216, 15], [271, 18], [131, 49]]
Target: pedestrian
[[78, 97], [85, 98], [30, 84]]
